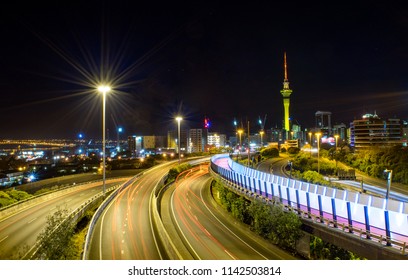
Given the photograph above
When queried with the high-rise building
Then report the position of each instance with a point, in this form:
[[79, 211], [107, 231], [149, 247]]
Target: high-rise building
[[372, 131], [323, 123], [404, 132], [154, 142], [286, 92], [132, 145], [341, 131], [172, 140], [197, 140], [216, 139], [149, 142]]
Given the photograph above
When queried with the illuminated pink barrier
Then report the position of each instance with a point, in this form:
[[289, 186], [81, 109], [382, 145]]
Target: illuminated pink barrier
[[373, 216]]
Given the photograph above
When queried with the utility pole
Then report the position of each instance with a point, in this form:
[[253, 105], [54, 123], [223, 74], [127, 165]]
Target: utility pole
[[249, 147]]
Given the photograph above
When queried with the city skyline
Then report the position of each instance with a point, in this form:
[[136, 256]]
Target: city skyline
[[199, 60]]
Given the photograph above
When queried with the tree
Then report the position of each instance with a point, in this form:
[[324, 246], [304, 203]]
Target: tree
[[293, 150], [313, 177], [239, 209], [269, 152], [175, 171], [55, 239], [287, 228], [19, 195], [262, 219], [5, 199]]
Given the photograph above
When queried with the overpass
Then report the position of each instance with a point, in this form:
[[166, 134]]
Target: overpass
[[370, 226]]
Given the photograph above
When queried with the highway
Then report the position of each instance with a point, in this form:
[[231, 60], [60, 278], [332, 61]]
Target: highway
[[124, 231], [205, 229], [19, 231], [274, 166]]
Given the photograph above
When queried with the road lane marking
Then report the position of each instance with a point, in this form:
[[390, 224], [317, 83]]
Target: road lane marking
[[3, 239], [29, 222], [178, 225], [229, 255], [227, 228]]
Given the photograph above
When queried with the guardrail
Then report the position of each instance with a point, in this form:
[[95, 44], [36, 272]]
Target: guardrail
[[23, 204], [72, 218], [329, 210]]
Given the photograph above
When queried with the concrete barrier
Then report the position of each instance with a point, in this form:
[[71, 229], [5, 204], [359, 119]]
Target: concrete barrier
[[24, 204]]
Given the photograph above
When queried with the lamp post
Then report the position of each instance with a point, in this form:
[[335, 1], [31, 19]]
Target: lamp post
[[389, 178], [249, 145], [103, 89], [318, 151], [290, 163], [178, 119], [336, 136], [118, 143], [310, 138], [240, 131], [236, 130], [261, 133]]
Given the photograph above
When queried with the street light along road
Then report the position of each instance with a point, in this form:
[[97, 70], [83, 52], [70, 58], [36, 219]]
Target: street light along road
[[103, 89], [178, 119], [318, 151]]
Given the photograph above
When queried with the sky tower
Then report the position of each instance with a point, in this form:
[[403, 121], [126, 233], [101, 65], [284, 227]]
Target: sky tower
[[286, 92]]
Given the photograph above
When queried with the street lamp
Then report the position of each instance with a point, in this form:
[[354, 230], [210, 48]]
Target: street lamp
[[118, 143], [178, 119], [389, 178], [318, 151], [261, 133], [240, 132], [310, 138], [103, 89], [336, 136], [290, 163]]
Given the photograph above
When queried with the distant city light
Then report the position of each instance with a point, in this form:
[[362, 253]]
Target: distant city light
[[207, 123]]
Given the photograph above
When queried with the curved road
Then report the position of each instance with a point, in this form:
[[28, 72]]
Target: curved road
[[19, 231], [124, 231], [397, 189], [208, 232]]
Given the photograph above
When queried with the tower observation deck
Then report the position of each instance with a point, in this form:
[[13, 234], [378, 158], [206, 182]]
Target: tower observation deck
[[286, 92]]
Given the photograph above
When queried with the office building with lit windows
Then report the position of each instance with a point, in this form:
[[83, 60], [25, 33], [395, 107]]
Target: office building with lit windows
[[372, 131]]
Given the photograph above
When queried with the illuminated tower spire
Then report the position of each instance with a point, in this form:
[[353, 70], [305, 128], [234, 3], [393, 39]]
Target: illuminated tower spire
[[286, 92]]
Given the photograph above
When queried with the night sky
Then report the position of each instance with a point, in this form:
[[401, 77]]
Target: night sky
[[221, 61]]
